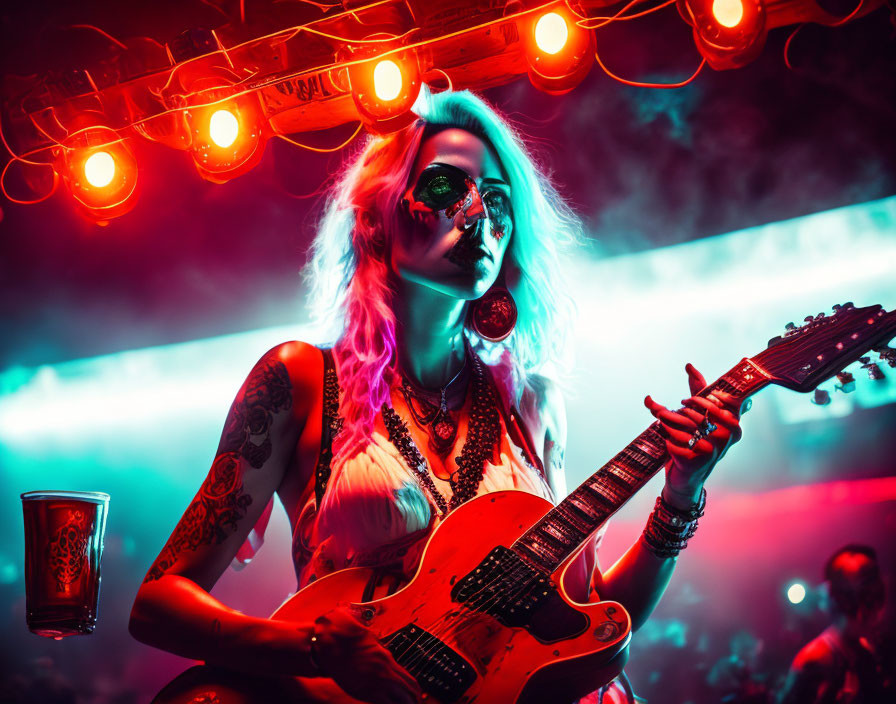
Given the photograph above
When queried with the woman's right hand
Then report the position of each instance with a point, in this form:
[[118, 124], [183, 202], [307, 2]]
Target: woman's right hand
[[351, 655]]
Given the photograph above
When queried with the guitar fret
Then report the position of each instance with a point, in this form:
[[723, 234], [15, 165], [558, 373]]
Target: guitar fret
[[638, 455], [594, 490], [625, 473], [542, 549], [564, 527], [650, 450], [563, 521], [586, 508], [621, 484], [571, 518], [613, 491], [553, 531], [531, 556]]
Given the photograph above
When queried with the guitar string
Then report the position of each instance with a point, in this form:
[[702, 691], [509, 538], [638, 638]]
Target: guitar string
[[455, 623], [464, 624], [467, 623], [460, 622], [438, 628]]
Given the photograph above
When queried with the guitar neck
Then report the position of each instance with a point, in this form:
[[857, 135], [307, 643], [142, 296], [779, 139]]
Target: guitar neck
[[569, 524]]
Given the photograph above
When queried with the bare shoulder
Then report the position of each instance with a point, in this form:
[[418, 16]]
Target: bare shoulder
[[816, 654], [301, 366], [544, 400], [543, 405]]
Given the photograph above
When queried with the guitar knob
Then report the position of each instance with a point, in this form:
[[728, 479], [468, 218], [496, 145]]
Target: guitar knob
[[847, 382], [790, 326], [849, 305], [808, 318], [836, 308], [821, 397]]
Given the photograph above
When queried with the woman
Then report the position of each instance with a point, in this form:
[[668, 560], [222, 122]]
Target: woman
[[432, 235]]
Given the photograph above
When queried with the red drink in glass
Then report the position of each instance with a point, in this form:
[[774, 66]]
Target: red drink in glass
[[63, 546]]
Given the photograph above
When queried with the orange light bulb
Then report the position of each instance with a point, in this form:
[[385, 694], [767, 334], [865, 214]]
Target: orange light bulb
[[99, 169], [223, 128], [551, 33], [728, 13], [387, 80]]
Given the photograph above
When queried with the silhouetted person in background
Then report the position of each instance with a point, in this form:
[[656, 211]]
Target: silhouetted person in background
[[842, 665]]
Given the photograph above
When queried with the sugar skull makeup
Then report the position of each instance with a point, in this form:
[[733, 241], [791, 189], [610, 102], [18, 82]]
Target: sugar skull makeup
[[446, 188]]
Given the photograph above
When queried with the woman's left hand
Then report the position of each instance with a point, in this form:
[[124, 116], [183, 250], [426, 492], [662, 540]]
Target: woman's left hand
[[690, 466]]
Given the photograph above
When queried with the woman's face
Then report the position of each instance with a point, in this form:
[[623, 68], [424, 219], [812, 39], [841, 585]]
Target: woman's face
[[459, 222]]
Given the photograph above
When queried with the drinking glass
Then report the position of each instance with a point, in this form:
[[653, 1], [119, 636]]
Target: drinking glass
[[63, 546]]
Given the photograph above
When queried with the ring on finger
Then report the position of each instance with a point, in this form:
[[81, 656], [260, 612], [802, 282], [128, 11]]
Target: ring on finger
[[702, 431], [707, 426]]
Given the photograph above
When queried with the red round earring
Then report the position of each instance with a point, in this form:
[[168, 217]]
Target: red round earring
[[493, 316]]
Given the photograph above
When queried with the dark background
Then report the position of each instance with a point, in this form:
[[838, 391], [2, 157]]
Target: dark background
[[645, 168]]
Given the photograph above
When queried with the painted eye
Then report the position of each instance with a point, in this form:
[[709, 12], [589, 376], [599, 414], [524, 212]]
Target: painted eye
[[441, 186], [497, 203]]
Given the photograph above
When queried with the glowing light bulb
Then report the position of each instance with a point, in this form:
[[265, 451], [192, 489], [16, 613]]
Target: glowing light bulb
[[387, 80], [223, 128], [796, 592], [728, 13], [99, 169], [551, 33]]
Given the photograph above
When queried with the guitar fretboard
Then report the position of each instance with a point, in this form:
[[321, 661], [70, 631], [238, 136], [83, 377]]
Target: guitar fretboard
[[566, 526]]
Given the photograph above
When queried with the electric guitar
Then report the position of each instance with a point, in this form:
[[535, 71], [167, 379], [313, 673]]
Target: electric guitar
[[485, 618]]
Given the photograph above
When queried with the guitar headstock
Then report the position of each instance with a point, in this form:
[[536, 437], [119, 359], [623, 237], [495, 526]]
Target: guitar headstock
[[806, 355]]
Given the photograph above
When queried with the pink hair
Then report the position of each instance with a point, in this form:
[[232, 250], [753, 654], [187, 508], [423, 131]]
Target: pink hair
[[365, 352]]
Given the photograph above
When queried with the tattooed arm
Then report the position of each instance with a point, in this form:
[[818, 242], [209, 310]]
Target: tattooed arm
[[173, 609]]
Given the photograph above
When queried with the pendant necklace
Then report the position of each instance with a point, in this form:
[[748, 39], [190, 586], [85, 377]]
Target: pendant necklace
[[442, 428]]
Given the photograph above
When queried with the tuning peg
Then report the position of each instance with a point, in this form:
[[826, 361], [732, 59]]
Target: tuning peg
[[821, 397], [836, 308], [790, 326], [874, 372], [819, 316], [847, 382], [887, 354], [808, 318], [849, 305]]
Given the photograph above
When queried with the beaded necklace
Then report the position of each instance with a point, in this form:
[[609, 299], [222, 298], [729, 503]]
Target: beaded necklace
[[482, 435]]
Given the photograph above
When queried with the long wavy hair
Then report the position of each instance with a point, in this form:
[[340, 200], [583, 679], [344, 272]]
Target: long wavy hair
[[350, 283]]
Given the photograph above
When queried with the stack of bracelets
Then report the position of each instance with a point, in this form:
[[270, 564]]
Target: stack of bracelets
[[669, 528]]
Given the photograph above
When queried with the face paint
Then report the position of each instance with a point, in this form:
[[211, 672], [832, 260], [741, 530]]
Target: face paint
[[442, 187], [497, 204]]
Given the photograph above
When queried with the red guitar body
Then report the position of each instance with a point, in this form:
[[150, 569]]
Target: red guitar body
[[567, 650]]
